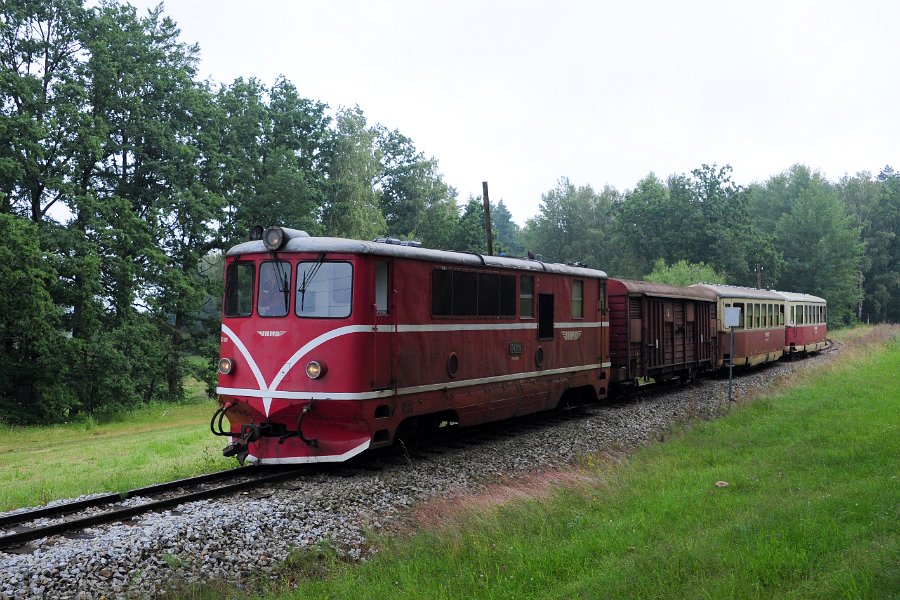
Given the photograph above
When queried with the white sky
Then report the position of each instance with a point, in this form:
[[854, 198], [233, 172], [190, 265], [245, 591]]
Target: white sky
[[520, 93]]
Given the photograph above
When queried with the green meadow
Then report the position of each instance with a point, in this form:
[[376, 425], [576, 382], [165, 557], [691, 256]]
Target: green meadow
[[157, 443]]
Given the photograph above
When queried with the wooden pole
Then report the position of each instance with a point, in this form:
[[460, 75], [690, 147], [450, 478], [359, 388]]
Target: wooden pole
[[487, 219]]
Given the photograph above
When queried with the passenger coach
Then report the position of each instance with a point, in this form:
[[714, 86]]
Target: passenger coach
[[759, 338], [805, 329], [331, 346]]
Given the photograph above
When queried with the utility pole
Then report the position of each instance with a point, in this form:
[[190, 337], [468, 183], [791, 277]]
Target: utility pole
[[488, 233], [758, 270]]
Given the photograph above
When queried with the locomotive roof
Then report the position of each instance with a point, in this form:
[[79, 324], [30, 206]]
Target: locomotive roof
[[666, 290], [469, 259], [735, 291], [798, 297]]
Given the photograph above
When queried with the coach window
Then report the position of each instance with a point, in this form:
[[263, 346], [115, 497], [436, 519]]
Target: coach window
[[749, 315], [381, 287], [274, 288], [325, 289], [526, 297], [577, 299], [739, 306], [239, 289], [771, 315], [781, 315], [757, 314]]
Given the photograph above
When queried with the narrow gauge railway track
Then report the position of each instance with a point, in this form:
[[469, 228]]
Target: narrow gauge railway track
[[16, 532], [18, 529]]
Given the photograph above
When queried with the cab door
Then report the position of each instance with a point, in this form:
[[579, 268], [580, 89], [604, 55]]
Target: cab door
[[384, 330]]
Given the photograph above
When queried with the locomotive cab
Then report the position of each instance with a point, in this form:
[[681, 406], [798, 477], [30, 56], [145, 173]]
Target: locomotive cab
[[297, 328]]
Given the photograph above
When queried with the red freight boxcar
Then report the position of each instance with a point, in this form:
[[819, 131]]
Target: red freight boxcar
[[331, 346], [660, 331], [805, 316], [760, 336]]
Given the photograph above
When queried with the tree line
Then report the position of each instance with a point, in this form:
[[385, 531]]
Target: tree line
[[123, 177], [797, 231]]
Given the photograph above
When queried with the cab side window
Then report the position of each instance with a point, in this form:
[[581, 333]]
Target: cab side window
[[239, 289]]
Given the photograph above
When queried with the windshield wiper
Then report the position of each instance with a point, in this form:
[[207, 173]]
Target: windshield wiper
[[283, 282], [308, 277]]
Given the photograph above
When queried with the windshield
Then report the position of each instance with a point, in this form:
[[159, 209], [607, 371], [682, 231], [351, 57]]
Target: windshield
[[324, 289], [274, 288]]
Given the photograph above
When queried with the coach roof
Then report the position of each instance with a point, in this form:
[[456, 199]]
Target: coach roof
[[469, 259], [798, 297], [734, 291]]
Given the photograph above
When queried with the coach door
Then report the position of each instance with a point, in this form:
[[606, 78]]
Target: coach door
[[385, 326]]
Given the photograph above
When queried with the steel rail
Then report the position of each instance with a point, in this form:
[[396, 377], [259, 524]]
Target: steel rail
[[56, 510], [21, 537]]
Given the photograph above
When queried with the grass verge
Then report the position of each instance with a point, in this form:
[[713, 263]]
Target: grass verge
[[791, 496], [157, 443]]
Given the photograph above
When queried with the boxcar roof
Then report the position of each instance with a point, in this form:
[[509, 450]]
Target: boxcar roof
[[798, 297], [469, 259], [667, 291], [734, 291]]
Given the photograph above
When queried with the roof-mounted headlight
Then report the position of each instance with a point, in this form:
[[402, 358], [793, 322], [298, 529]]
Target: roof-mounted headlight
[[274, 238]]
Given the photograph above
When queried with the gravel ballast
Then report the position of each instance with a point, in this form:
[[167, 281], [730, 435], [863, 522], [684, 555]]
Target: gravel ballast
[[240, 538]]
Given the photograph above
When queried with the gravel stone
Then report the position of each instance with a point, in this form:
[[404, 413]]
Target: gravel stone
[[241, 538]]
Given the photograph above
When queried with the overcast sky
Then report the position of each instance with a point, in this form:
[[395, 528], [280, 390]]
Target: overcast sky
[[521, 93]]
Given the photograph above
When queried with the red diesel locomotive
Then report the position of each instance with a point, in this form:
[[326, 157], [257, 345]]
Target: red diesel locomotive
[[332, 346]]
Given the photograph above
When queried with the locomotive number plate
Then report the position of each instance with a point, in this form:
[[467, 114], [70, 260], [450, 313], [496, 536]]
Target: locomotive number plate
[[515, 348]]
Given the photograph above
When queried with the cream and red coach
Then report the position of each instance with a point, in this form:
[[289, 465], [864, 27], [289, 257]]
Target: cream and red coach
[[330, 346], [660, 331], [760, 336], [805, 317]]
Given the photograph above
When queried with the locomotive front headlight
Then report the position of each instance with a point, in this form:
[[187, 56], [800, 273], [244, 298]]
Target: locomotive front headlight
[[226, 366], [274, 238], [315, 369]]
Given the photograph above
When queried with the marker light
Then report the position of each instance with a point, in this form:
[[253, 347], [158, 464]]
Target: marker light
[[315, 369], [226, 366]]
